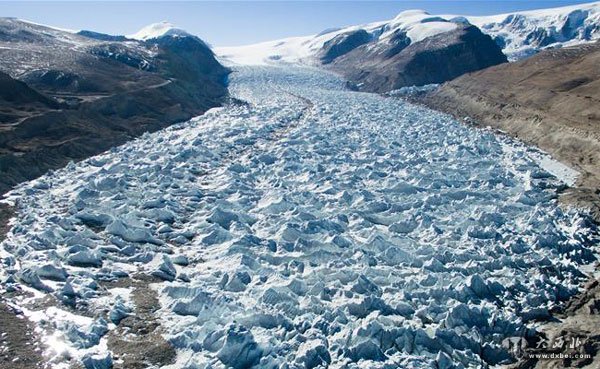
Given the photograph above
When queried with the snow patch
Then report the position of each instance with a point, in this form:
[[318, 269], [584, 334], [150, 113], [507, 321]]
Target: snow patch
[[157, 30]]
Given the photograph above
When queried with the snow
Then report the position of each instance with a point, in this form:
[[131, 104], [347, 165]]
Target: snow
[[549, 166], [567, 26], [51, 27], [289, 50], [312, 226], [421, 31], [538, 13], [157, 30], [417, 24]]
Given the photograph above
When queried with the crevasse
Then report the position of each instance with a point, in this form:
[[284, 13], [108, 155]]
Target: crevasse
[[308, 226]]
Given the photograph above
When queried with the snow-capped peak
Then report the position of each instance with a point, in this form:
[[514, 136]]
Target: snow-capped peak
[[519, 34], [157, 30], [411, 13], [416, 24]]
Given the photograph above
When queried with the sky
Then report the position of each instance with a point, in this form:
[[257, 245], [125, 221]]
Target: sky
[[232, 23]]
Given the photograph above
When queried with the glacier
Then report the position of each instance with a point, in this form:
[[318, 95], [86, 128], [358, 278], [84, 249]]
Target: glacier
[[519, 34], [301, 226]]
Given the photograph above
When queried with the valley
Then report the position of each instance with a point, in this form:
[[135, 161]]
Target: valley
[[420, 192], [406, 238]]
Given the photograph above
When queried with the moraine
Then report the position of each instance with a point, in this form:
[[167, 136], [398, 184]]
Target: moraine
[[308, 226]]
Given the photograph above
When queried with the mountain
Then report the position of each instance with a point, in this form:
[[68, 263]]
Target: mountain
[[414, 48], [417, 48], [521, 34], [16, 98], [16, 92], [84, 92], [551, 100], [401, 63], [158, 30], [415, 25]]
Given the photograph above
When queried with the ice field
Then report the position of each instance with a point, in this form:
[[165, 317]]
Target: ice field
[[304, 226]]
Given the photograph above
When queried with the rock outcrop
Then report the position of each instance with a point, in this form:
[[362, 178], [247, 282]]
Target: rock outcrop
[[343, 44], [400, 63]]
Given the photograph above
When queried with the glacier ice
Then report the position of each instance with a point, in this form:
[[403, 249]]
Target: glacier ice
[[98, 361], [30, 277], [52, 272], [239, 350], [163, 268], [312, 226]]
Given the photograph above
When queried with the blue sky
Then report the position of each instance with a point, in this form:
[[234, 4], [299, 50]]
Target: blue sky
[[228, 23]]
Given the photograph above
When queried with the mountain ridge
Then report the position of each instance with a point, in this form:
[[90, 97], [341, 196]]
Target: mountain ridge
[[102, 92], [435, 59], [524, 25]]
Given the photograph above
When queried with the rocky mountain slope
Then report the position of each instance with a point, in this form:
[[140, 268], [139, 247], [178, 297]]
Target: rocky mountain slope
[[17, 101], [66, 96], [417, 48], [551, 100], [414, 48], [400, 63]]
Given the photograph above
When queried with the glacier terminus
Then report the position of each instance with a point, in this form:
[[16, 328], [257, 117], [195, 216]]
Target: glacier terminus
[[301, 226]]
